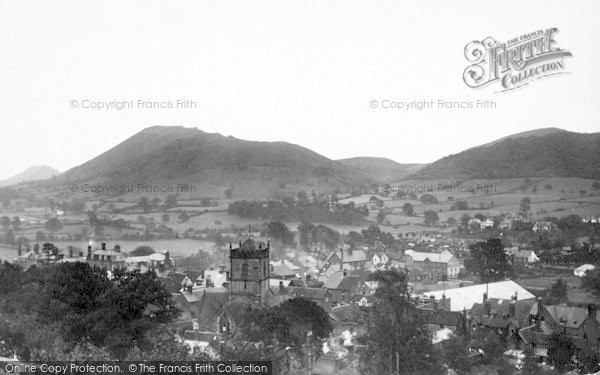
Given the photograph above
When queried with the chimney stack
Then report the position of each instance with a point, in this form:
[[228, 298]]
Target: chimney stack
[[592, 310], [89, 254], [485, 296], [222, 269], [118, 248], [488, 307], [103, 245], [512, 308], [436, 305]]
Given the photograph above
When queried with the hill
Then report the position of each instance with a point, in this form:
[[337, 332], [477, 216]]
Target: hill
[[380, 169], [556, 154], [34, 173], [529, 133], [212, 163]]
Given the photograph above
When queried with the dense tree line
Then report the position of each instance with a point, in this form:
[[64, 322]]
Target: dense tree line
[[52, 311], [290, 209]]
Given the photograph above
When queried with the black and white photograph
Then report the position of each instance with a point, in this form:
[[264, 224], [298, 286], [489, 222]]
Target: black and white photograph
[[302, 187]]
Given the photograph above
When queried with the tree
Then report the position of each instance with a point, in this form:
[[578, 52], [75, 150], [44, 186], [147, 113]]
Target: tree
[[171, 201], [408, 210], [165, 218], [142, 251], [456, 354], [396, 339], [459, 206], [183, 217], [380, 216], [428, 199], [560, 351], [489, 343], [144, 203], [530, 365], [16, 223], [279, 231], [488, 260], [525, 204], [431, 217], [5, 222], [305, 231], [228, 193], [53, 225], [558, 292]]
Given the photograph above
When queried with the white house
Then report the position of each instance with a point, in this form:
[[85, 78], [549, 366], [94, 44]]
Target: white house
[[581, 270], [379, 258], [487, 223]]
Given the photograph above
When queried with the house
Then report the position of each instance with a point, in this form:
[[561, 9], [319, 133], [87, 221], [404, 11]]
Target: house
[[544, 226], [487, 223], [154, 262], [525, 257], [581, 325], [308, 262], [348, 259], [505, 316], [201, 341], [466, 297], [436, 266], [379, 258], [282, 271], [582, 270], [437, 315]]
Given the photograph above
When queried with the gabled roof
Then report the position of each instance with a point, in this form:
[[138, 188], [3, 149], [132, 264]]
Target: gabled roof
[[349, 256], [418, 256], [467, 296], [571, 317], [350, 282], [347, 313], [282, 270], [308, 293], [500, 313], [333, 281]]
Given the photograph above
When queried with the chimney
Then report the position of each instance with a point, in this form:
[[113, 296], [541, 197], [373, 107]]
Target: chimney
[[222, 269], [485, 296], [592, 310], [81, 254], [103, 245], [118, 248], [308, 277], [281, 286], [488, 307], [19, 251], [436, 305], [342, 261], [512, 308], [444, 301], [70, 251], [89, 254], [227, 275]]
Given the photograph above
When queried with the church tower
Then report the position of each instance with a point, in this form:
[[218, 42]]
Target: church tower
[[250, 271]]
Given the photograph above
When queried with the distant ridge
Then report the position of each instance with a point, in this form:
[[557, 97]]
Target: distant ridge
[[380, 169], [543, 153], [34, 173]]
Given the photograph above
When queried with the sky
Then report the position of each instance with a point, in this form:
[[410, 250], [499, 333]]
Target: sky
[[305, 72]]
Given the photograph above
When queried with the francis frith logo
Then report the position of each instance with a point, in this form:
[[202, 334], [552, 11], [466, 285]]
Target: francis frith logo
[[514, 63]]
